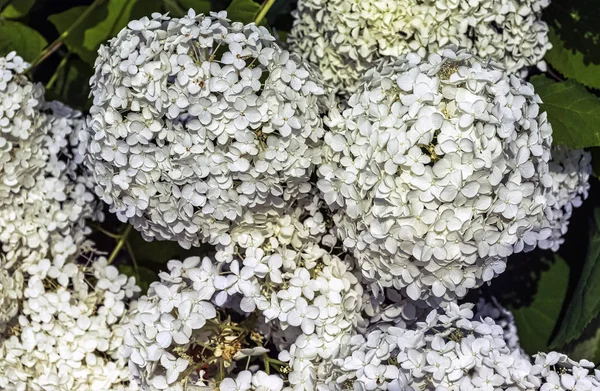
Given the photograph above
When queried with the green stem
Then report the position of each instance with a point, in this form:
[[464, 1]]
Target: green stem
[[59, 41], [267, 366], [133, 260], [105, 232], [120, 244], [54, 77], [262, 12]]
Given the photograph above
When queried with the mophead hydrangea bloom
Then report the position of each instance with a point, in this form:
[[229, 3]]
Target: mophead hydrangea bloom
[[278, 275], [346, 38], [436, 171], [448, 350], [69, 327], [198, 120]]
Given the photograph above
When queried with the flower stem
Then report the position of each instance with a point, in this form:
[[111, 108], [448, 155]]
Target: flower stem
[[54, 77], [120, 244], [59, 41], [262, 12]]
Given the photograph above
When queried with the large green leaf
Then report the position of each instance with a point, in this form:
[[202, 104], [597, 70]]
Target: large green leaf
[[536, 321], [71, 85], [243, 11], [572, 63], [17, 9], [573, 112], [103, 24], [584, 305], [27, 42]]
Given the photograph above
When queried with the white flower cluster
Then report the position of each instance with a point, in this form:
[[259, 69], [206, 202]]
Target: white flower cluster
[[570, 170], [59, 320], [449, 351], [197, 121], [437, 170], [43, 194], [69, 329], [503, 318], [304, 299], [346, 38]]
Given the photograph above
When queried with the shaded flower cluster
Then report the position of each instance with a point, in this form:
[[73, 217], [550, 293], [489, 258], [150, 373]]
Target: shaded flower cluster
[[343, 39], [570, 170], [198, 120]]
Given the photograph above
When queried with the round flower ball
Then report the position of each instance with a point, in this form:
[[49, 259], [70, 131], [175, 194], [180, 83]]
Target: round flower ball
[[345, 38], [197, 121], [436, 172]]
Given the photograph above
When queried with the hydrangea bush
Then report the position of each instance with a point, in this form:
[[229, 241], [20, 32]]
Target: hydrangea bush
[[341, 204]]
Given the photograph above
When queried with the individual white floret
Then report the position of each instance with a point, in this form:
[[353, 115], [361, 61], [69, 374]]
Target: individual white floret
[[198, 120], [343, 39], [436, 171]]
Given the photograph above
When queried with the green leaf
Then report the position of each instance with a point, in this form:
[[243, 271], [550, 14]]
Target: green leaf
[[17, 9], [144, 276], [537, 320], [584, 305], [200, 6], [27, 42], [174, 8], [101, 25], [571, 62], [577, 23], [573, 112], [588, 345], [71, 86], [244, 11]]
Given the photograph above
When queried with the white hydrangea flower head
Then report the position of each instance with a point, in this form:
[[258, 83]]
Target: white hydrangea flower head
[[570, 170], [345, 38], [69, 328], [436, 171], [198, 120], [173, 329], [451, 350], [22, 127]]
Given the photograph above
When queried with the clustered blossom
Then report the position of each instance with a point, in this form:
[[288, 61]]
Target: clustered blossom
[[304, 299], [450, 350], [570, 170], [43, 190], [69, 330], [60, 319], [436, 170], [341, 238], [198, 120], [343, 39]]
